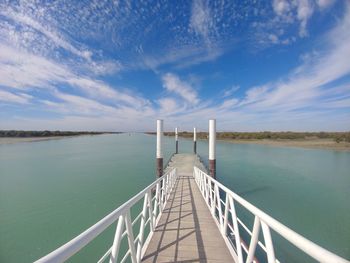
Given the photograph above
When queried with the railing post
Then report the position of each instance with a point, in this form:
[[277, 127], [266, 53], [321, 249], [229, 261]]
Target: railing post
[[212, 148], [117, 239], [159, 154]]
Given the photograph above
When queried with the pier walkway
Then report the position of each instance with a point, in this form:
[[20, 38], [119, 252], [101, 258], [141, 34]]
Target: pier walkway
[[186, 231]]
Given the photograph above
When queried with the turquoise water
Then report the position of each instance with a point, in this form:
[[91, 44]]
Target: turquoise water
[[50, 191]]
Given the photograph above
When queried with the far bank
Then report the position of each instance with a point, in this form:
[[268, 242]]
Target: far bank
[[339, 141]]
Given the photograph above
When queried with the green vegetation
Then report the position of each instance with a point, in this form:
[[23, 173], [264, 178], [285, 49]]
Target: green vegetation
[[15, 133], [266, 135]]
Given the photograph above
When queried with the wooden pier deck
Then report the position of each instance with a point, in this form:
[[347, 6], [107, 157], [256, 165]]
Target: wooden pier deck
[[186, 231]]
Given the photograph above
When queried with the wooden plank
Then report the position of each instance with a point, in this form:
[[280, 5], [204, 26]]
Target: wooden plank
[[186, 231]]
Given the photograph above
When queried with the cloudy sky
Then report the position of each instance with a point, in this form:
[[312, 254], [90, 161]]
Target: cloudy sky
[[120, 65]]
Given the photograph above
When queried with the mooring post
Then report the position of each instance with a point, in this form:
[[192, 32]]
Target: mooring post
[[159, 154], [194, 140], [212, 146], [176, 141]]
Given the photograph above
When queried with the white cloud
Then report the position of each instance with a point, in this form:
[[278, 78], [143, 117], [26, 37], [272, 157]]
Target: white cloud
[[25, 30], [21, 70], [255, 94], [300, 10], [97, 29], [105, 67], [324, 3], [20, 98], [290, 11], [50, 33], [174, 84], [168, 105], [273, 38], [182, 57], [83, 105], [201, 20], [229, 103], [281, 6], [304, 12], [306, 86], [230, 91]]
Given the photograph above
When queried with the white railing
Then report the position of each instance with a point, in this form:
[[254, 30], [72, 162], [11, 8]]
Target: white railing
[[224, 213], [154, 197]]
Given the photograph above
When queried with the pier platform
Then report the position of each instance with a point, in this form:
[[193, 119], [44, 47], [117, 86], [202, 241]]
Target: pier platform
[[186, 231]]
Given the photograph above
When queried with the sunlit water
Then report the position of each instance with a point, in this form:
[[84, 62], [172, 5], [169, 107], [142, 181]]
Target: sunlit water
[[50, 191]]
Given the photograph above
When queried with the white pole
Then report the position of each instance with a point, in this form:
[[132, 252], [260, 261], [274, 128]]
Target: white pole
[[159, 153], [212, 148], [176, 141], [212, 139], [159, 138], [194, 140]]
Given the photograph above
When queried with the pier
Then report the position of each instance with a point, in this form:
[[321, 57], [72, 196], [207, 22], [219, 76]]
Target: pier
[[186, 231], [187, 215]]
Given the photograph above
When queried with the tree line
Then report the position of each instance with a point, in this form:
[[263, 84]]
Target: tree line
[[288, 135], [17, 133]]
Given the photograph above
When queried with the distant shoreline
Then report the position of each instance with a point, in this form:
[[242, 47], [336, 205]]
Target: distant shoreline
[[17, 136], [309, 142], [326, 144], [12, 140], [38, 138]]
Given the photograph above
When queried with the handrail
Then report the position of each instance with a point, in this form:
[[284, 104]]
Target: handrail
[[155, 197], [212, 191]]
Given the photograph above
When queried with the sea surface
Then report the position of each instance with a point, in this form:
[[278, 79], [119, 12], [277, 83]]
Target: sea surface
[[51, 191]]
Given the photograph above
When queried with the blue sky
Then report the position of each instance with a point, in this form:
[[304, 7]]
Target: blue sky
[[119, 65]]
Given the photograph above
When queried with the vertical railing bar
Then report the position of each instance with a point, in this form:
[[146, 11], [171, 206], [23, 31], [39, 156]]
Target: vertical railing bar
[[213, 198], [254, 240], [224, 229], [158, 192], [236, 230], [219, 205], [166, 189], [142, 228], [210, 195], [202, 180], [130, 237], [150, 208], [268, 242], [117, 240], [206, 190], [161, 195]]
